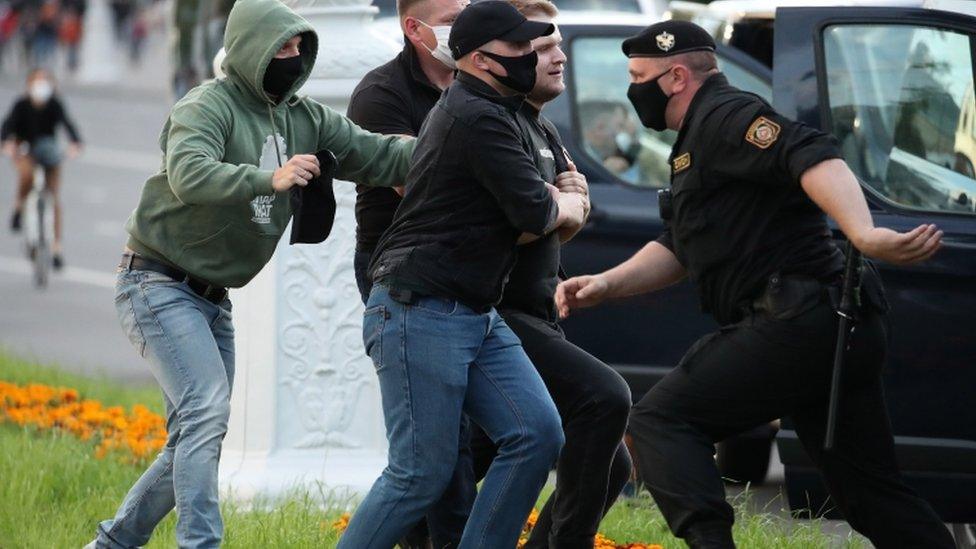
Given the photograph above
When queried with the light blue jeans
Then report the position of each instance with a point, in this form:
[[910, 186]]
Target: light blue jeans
[[437, 359], [189, 345]]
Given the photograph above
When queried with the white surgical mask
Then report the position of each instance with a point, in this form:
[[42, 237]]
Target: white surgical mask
[[40, 91], [442, 52]]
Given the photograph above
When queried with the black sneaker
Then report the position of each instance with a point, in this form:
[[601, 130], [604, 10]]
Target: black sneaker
[[15, 221], [58, 262]]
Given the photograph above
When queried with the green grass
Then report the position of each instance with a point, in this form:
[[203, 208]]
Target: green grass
[[53, 492], [637, 519]]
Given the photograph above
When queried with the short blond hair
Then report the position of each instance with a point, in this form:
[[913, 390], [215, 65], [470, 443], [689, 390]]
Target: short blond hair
[[528, 8]]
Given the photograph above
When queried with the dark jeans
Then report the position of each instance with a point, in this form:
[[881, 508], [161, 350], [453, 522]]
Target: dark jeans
[[444, 523], [360, 265], [594, 465], [428, 383], [758, 370]]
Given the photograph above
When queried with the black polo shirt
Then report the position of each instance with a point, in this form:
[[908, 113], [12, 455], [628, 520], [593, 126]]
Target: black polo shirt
[[393, 98], [739, 212], [472, 190], [532, 282]]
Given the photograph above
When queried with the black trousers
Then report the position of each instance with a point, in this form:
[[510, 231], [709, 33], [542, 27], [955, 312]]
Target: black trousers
[[766, 368], [360, 265], [594, 465]]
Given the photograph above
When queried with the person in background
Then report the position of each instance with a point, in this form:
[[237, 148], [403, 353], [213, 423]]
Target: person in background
[[28, 136]]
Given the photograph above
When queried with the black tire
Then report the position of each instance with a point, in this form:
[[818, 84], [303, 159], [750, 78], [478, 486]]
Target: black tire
[[745, 458], [42, 266], [42, 252]]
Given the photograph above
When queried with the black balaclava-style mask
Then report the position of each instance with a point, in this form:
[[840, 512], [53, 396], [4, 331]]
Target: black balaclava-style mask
[[520, 69], [282, 74], [650, 102]]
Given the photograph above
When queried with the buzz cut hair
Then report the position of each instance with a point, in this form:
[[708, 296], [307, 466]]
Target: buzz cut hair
[[532, 8], [409, 7], [700, 63]]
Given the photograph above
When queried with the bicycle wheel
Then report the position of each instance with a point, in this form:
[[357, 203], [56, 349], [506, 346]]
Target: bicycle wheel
[[41, 255]]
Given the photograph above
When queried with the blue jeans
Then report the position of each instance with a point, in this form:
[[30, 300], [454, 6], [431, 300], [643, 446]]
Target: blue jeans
[[437, 359], [189, 345]]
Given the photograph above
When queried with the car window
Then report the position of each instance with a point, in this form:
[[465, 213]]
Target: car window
[[609, 130], [901, 104]]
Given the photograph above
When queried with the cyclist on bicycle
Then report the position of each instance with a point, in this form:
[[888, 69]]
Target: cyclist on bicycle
[[28, 136]]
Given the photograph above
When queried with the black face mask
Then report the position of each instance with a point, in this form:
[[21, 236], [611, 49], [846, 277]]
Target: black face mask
[[282, 74], [520, 69], [650, 102]]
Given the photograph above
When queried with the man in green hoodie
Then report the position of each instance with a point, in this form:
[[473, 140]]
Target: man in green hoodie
[[209, 220]]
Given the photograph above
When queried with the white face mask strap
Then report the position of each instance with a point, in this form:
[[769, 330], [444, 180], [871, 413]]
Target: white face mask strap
[[441, 51]]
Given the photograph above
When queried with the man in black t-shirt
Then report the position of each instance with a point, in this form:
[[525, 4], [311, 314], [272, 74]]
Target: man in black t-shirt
[[745, 222], [395, 98]]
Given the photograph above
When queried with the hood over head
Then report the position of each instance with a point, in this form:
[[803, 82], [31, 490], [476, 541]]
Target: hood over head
[[256, 30]]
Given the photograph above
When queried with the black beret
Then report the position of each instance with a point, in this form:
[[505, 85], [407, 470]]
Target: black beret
[[668, 38]]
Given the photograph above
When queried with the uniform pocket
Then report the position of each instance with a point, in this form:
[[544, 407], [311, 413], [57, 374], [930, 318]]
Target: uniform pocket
[[700, 241], [374, 320]]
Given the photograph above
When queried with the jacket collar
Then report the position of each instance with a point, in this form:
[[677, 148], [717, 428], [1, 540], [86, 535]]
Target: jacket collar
[[410, 63], [707, 89], [482, 89]]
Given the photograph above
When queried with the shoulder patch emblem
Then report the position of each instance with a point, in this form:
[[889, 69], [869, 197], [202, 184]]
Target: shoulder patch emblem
[[763, 132], [665, 41], [682, 163]]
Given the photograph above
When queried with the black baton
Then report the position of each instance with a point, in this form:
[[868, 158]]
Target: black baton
[[847, 311]]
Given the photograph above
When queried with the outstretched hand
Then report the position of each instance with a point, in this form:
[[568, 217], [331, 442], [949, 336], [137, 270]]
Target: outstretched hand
[[890, 246], [579, 292]]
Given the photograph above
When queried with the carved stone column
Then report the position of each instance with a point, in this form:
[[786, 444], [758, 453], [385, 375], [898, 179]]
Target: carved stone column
[[306, 405]]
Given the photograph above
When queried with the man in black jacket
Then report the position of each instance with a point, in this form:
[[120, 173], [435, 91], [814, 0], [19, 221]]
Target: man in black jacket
[[472, 194], [592, 399]]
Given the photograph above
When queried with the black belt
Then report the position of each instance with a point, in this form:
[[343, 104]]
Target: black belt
[[213, 294]]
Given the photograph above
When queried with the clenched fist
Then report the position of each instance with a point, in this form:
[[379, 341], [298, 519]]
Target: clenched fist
[[297, 171]]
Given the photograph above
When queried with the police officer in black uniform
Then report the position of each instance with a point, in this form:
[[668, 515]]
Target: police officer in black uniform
[[745, 222]]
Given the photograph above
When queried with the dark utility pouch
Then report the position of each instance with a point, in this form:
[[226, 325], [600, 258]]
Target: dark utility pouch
[[872, 289], [787, 297], [313, 206]]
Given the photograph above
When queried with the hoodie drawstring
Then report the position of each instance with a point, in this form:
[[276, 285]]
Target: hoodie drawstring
[[274, 136]]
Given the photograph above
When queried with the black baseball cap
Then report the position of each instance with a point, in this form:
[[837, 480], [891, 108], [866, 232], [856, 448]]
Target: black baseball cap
[[668, 38], [487, 20]]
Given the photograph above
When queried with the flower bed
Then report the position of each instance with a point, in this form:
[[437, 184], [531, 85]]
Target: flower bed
[[137, 435], [134, 436]]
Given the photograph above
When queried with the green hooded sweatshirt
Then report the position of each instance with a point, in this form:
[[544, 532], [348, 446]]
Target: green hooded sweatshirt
[[211, 210]]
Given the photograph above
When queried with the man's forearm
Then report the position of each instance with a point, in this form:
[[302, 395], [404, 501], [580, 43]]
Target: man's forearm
[[653, 267], [833, 186]]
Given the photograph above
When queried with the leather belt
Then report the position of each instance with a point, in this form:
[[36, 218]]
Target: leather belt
[[213, 294]]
